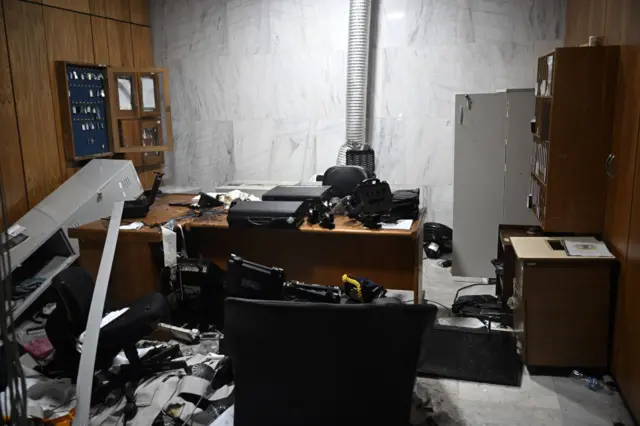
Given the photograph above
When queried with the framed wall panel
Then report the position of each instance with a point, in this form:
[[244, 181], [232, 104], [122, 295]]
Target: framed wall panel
[[69, 38], [12, 172], [114, 9], [142, 46], [76, 5], [27, 48], [139, 11], [100, 40], [120, 44]]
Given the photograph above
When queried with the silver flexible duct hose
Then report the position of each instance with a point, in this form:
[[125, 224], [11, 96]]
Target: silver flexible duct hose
[[357, 76]]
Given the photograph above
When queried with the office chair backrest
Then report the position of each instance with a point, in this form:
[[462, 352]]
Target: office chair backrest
[[322, 364], [343, 179], [72, 291]]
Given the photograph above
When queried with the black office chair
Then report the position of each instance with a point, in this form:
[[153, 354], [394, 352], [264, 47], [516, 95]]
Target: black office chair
[[72, 291], [322, 364]]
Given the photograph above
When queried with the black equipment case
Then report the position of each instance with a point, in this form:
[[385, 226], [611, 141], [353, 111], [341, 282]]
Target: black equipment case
[[316, 193], [267, 214]]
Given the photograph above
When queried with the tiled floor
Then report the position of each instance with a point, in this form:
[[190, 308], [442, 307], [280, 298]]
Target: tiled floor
[[541, 400]]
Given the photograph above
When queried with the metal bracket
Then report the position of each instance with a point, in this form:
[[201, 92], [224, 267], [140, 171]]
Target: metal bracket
[[90, 346]]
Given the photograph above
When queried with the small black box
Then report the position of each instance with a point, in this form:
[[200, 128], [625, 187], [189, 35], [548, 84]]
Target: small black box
[[298, 193], [251, 280], [267, 214]]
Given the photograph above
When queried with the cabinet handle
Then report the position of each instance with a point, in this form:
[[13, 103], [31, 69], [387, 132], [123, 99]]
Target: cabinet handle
[[608, 165]]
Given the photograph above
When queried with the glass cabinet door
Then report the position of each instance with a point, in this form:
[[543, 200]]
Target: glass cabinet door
[[126, 92], [149, 94], [140, 109]]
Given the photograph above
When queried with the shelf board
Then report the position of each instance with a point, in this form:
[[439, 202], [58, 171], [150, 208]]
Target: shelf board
[[544, 97]]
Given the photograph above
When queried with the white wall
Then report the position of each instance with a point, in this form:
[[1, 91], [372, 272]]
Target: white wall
[[258, 86]]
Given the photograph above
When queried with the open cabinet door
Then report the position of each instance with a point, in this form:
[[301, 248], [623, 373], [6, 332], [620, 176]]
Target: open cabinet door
[[478, 183], [140, 109]]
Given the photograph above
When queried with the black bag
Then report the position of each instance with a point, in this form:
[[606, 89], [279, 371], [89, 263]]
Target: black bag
[[439, 234], [406, 205], [267, 214]]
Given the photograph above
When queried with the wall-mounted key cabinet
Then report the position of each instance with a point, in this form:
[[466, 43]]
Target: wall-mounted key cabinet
[[140, 110], [572, 138], [84, 110], [114, 110]]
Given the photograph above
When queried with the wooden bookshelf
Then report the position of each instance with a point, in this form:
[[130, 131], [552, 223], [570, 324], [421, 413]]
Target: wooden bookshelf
[[572, 139]]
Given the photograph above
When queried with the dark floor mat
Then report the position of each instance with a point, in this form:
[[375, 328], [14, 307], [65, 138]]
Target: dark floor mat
[[475, 355]]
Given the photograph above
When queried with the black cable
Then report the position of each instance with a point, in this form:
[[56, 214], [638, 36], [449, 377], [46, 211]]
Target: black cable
[[466, 287], [440, 304]]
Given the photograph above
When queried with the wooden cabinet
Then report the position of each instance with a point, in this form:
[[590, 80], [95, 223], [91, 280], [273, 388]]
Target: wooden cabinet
[[622, 159], [83, 111], [11, 170], [130, 133], [139, 97], [562, 305], [622, 224], [572, 140], [626, 342]]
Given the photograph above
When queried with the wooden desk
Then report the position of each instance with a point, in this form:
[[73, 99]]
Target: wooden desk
[[562, 313], [392, 258], [504, 283]]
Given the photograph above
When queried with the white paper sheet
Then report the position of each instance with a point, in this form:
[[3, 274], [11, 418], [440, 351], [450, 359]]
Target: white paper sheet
[[170, 247], [107, 319], [593, 248], [226, 419], [132, 226], [402, 225]]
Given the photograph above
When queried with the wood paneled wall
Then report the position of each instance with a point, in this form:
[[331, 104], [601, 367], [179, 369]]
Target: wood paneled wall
[[618, 22], [33, 36]]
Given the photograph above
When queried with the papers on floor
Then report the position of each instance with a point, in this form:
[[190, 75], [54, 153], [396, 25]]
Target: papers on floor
[[586, 248], [226, 418], [401, 225], [134, 226], [228, 197]]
